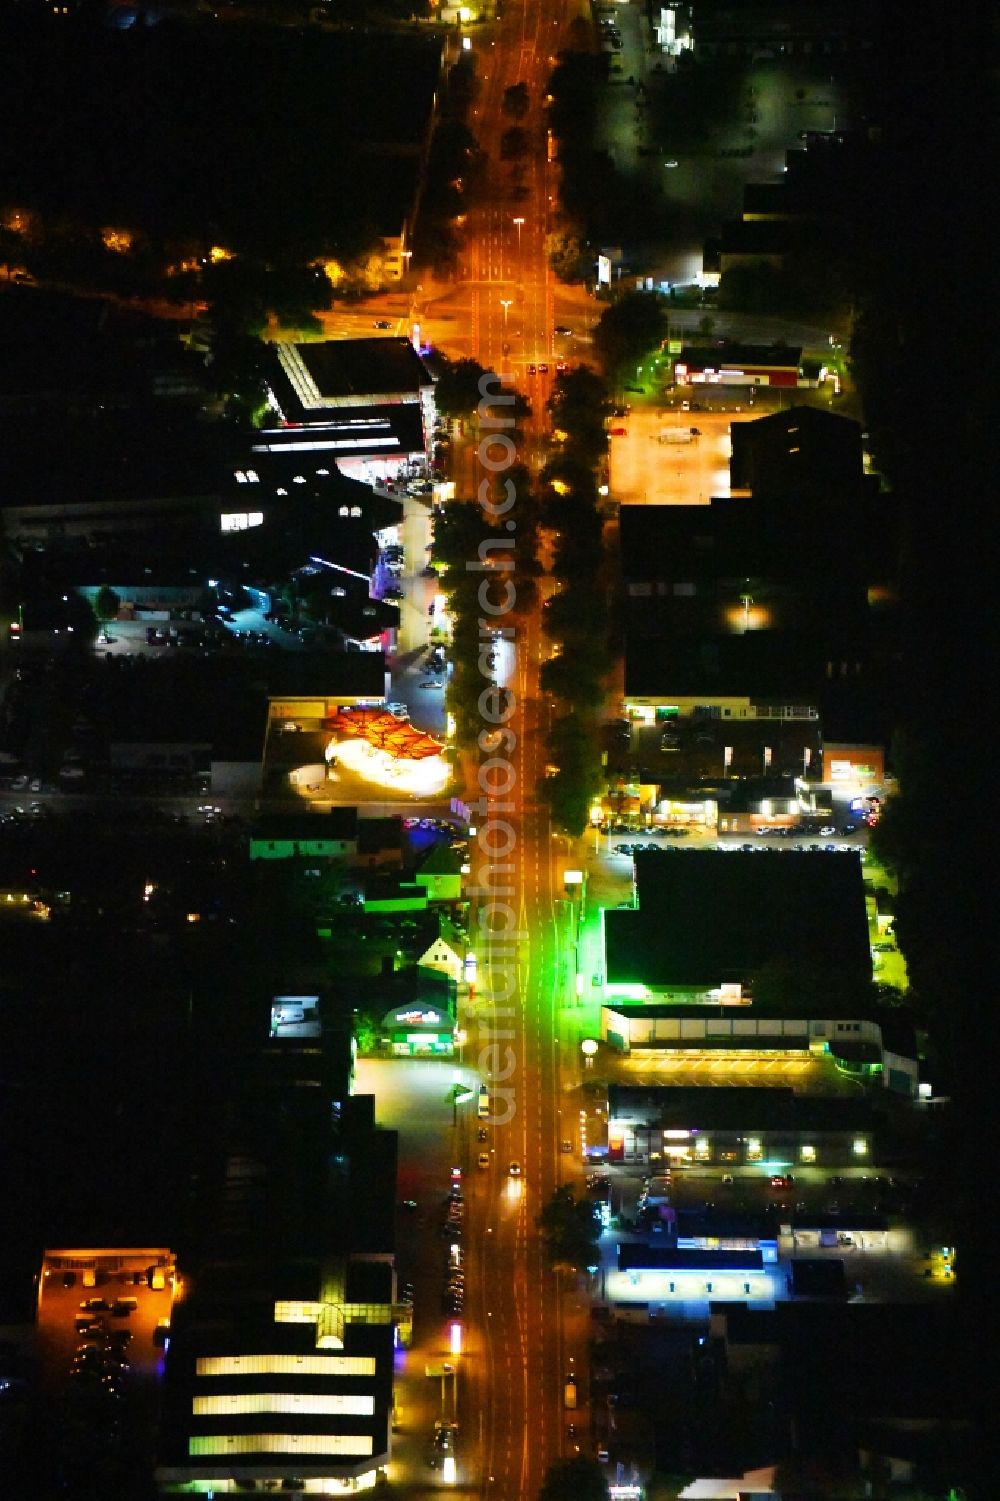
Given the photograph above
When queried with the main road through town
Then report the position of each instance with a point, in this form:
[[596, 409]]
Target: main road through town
[[519, 1355]]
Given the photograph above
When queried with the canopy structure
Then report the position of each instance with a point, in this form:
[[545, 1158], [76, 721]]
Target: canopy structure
[[397, 737]]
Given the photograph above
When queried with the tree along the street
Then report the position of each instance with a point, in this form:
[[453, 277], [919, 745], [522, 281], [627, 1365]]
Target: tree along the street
[[106, 604], [516, 100], [570, 1230], [575, 1479], [628, 330], [459, 388]]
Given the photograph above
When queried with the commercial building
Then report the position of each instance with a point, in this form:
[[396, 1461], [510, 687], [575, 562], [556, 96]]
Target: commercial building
[[330, 835], [440, 873], [740, 1127], [804, 455], [769, 29], [305, 690], [755, 621], [728, 364], [366, 404], [707, 923], [873, 1047], [421, 1020], [280, 1363]]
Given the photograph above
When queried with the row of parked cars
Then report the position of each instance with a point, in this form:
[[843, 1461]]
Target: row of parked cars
[[453, 1293]]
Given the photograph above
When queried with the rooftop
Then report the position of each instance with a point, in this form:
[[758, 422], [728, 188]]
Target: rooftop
[[349, 674], [350, 372], [802, 452], [331, 823], [729, 356], [335, 431], [768, 666], [740, 1108], [709, 917]]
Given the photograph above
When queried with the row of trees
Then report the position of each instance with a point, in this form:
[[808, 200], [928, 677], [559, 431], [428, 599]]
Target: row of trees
[[632, 327], [575, 617], [454, 168]]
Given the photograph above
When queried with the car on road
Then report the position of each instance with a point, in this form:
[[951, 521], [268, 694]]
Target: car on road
[[381, 323], [670, 164], [563, 331], [514, 1169], [399, 711], [782, 1180], [827, 830], [95, 1305], [483, 1160], [543, 369], [618, 432], [566, 1146], [532, 370]]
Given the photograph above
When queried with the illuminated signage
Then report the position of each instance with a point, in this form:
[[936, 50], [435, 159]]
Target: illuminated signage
[[417, 1018], [241, 521]]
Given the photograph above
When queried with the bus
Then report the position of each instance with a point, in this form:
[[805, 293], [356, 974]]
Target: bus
[[484, 1102]]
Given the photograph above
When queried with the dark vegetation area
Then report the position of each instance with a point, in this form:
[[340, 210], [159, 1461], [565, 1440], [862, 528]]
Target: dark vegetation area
[[251, 138], [931, 436]]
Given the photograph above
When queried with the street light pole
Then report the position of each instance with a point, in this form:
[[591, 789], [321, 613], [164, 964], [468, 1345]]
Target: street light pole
[[519, 222], [505, 303]]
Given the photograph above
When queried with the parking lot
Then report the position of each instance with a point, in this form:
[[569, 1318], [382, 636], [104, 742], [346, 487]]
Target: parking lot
[[664, 455], [141, 1280]]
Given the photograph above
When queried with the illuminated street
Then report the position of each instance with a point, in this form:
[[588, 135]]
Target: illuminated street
[[495, 638]]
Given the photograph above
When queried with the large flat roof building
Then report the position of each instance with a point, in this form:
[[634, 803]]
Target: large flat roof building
[[280, 1363], [365, 403], [707, 922]]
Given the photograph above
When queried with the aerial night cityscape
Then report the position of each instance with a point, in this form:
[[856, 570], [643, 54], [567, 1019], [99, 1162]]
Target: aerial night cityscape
[[496, 644]]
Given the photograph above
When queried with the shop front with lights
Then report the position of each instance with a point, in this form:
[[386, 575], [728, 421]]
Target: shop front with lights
[[419, 1032]]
